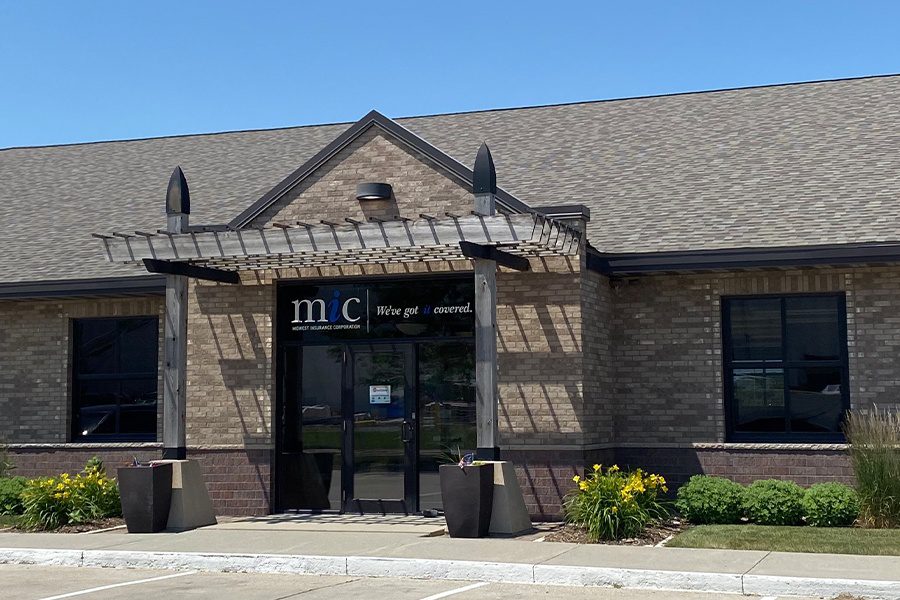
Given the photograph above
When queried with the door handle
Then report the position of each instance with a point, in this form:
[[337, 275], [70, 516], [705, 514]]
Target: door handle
[[406, 432]]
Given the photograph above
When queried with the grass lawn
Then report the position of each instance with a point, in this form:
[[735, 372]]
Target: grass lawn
[[832, 540]]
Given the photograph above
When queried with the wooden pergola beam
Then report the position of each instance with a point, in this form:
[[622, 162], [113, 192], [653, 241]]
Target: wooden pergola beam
[[191, 271], [505, 259], [531, 232]]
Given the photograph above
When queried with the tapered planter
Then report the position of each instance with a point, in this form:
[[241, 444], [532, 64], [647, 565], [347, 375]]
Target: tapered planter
[[146, 497], [468, 497]]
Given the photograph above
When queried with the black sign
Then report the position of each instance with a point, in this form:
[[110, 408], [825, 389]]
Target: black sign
[[376, 309]]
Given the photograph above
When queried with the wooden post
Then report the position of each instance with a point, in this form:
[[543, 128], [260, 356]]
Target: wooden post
[[486, 390], [175, 347]]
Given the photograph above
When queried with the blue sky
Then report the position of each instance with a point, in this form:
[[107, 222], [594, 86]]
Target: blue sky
[[77, 71]]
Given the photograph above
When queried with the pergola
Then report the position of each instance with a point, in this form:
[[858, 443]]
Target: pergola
[[220, 253]]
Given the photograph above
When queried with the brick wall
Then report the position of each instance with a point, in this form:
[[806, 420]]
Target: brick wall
[[598, 359], [873, 314], [743, 463], [539, 327], [667, 360], [330, 192], [35, 397], [70, 458], [229, 362], [237, 479], [666, 335]]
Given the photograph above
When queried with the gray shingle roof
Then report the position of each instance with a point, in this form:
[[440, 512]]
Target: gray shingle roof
[[804, 164]]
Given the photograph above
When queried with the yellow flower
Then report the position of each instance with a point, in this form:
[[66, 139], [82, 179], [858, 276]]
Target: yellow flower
[[615, 509], [596, 468], [614, 468], [583, 485], [576, 479]]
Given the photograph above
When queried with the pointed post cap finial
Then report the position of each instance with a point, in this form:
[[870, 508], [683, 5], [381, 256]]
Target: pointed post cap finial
[[178, 196], [484, 179]]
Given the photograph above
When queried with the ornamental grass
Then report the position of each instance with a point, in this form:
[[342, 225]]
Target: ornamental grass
[[874, 438], [612, 504]]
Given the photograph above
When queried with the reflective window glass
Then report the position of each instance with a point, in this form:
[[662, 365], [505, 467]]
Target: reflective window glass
[[785, 360], [756, 329], [812, 328], [115, 365]]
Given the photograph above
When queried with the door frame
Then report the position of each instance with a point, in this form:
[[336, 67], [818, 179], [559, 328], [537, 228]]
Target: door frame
[[276, 481], [408, 350]]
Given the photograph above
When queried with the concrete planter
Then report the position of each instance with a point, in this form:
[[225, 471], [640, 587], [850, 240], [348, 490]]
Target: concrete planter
[[146, 497], [468, 496]]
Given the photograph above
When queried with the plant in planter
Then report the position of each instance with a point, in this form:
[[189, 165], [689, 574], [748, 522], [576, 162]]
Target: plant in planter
[[467, 490], [146, 496]]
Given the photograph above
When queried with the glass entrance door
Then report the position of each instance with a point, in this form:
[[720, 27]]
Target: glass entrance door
[[364, 427], [446, 419], [383, 428]]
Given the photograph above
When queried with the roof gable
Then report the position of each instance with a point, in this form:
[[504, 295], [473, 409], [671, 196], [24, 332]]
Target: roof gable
[[389, 127]]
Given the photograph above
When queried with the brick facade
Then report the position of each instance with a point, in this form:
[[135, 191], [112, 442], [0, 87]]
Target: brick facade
[[627, 370], [35, 365], [238, 480], [330, 192], [539, 344]]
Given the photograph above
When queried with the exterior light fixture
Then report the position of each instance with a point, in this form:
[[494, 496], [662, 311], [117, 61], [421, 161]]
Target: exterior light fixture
[[374, 191]]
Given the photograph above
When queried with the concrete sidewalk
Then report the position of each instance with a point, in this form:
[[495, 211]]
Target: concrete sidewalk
[[412, 549]]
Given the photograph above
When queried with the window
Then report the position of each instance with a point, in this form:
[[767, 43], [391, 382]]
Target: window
[[785, 367], [114, 378]]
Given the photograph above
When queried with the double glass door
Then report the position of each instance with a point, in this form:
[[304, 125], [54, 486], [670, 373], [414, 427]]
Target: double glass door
[[364, 427]]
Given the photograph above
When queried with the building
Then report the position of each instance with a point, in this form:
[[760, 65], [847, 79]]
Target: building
[[699, 282]]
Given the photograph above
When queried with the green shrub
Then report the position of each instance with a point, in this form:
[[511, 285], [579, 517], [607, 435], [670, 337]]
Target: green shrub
[[11, 495], [774, 502], [874, 438], [613, 504], [6, 464], [50, 502], [830, 505], [715, 500]]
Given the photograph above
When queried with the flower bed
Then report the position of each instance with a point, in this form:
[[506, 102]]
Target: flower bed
[[50, 503], [615, 504]]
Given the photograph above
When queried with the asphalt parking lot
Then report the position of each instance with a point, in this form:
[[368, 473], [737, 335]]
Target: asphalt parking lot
[[58, 583]]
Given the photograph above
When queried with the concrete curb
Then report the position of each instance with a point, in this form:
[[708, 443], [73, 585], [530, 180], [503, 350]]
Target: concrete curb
[[723, 583], [459, 570], [771, 585]]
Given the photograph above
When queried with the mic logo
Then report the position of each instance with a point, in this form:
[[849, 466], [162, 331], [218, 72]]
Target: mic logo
[[318, 311]]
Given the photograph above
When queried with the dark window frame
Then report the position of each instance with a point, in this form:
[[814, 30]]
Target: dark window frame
[[76, 378], [785, 364]]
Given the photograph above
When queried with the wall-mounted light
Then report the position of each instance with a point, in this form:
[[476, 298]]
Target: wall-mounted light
[[374, 191]]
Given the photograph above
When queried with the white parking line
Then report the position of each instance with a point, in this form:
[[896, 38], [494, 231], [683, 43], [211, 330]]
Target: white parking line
[[465, 588], [115, 585]]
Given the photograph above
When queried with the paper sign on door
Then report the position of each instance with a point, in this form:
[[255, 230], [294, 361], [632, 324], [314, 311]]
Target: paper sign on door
[[379, 394]]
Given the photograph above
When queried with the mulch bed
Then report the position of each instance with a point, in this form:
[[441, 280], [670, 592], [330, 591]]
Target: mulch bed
[[650, 537], [82, 528]]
